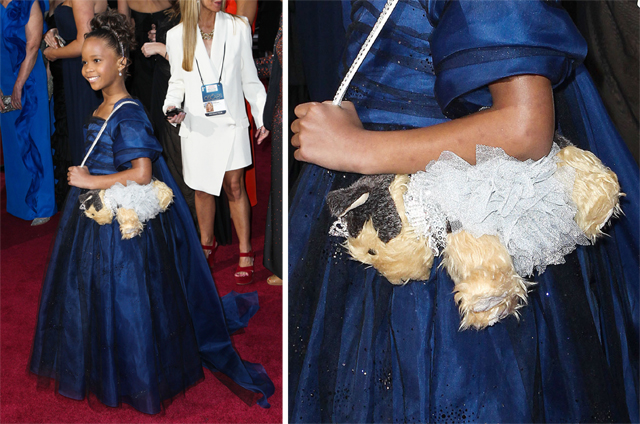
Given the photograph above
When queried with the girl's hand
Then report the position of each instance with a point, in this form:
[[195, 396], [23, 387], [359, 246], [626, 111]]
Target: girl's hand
[[49, 54], [327, 135], [79, 177], [16, 96], [149, 49], [50, 38], [261, 134], [1, 102], [176, 119]]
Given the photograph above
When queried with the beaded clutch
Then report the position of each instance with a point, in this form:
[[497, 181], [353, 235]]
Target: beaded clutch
[[8, 107]]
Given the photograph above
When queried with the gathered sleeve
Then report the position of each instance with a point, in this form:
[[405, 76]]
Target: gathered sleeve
[[132, 138], [475, 43]]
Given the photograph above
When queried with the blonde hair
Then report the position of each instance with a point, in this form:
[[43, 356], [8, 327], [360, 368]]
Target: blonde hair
[[190, 15]]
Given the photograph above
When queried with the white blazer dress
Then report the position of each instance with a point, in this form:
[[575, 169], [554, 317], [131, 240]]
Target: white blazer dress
[[212, 145]]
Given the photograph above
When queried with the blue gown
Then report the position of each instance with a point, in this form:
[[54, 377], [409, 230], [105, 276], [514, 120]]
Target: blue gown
[[363, 350], [134, 320], [26, 142]]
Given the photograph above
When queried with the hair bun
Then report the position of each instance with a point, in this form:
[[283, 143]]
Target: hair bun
[[117, 24], [116, 30]]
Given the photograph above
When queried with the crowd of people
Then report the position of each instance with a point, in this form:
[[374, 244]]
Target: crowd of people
[[129, 121]]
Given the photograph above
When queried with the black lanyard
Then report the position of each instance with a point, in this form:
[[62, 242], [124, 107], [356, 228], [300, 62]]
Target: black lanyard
[[224, 52]]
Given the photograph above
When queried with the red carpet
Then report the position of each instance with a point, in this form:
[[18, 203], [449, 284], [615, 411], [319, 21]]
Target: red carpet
[[23, 259]]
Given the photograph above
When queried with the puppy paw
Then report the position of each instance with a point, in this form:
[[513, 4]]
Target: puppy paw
[[487, 287], [596, 190], [130, 225], [486, 297], [164, 194]]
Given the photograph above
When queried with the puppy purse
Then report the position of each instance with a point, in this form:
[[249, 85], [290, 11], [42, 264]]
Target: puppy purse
[[132, 205], [494, 223]]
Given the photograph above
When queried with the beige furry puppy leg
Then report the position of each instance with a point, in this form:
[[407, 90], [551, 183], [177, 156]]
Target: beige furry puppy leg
[[596, 191], [130, 225], [487, 288], [164, 194], [405, 257]]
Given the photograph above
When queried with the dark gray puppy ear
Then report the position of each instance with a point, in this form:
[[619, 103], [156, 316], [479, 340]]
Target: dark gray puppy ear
[[340, 202], [91, 198], [367, 198], [561, 140], [346, 199]]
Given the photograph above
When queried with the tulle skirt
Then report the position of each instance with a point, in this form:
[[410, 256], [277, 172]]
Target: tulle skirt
[[135, 320]]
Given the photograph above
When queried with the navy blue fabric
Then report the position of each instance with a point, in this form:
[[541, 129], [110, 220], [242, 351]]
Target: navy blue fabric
[[363, 350], [134, 320], [318, 27]]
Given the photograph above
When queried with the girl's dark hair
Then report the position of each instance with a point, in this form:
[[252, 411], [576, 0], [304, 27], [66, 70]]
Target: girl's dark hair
[[116, 30]]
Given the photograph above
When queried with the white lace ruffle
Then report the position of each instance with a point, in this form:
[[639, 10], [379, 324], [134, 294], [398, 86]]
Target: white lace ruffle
[[141, 198], [526, 204]]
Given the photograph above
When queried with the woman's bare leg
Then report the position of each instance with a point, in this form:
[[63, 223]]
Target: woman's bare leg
[[206, 211], [240, 209]]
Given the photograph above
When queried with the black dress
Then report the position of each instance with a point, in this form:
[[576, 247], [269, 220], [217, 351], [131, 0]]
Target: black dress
[[60, 136], [272, 68], [80, 99]]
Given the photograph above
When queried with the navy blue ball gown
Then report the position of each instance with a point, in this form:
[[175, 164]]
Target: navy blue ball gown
[[134, 320], [363, 350], [26, 133]]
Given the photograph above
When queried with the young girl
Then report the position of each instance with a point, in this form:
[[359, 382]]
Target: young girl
[[129, 320], [364, 350]]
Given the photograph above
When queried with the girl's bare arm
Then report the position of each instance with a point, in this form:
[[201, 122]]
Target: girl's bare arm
[[521, 121], [140, 172]]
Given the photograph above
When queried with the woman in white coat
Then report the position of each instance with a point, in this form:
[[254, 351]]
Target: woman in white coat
[[212, 67]]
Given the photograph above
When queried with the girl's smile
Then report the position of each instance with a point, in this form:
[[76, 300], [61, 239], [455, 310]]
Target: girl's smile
[[100, 63]]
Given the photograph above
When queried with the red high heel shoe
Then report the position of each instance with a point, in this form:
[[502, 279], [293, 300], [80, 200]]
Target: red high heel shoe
[[212, 254], [243, 280]]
